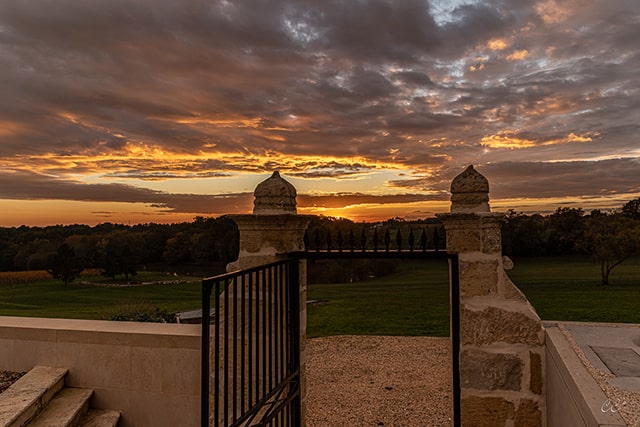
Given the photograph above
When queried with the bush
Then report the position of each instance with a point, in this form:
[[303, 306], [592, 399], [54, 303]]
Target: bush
[[139, 311], [20, 277]]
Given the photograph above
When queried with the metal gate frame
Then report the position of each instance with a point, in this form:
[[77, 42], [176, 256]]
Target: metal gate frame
[[287, 393], [264, 354]]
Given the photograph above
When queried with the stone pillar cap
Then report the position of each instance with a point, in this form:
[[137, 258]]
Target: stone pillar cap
[[470, 192], [274, 196]]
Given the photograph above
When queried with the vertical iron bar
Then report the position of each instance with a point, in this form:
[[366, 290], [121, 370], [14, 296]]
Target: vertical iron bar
[[273, 272], [455, 336], [387, 240], [225, 344], [217, 337], [375, 240], [243, 341], [204, 355], [277, 302], [234, 362], [257, 334], [351, 240], [423, 240], [250, 340], [412, 240], [294, 282], [264, 333]]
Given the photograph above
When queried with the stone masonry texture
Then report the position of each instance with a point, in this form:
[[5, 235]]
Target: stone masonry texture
[[490, 371]]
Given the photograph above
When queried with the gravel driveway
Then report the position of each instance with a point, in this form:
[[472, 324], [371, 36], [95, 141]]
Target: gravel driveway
[[366, 381]]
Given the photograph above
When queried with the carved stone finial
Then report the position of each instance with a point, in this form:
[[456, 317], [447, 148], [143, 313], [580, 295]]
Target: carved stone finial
[[274, 196], [469, 192]]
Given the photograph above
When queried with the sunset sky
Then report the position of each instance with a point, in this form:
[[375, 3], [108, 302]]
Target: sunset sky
[[135, 111]]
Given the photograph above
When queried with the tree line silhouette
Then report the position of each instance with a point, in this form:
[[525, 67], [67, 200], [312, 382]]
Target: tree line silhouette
[[205, 245]]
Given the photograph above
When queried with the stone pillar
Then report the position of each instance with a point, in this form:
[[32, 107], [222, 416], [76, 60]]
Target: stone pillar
[[274, 229], [501, 336], [269, 234]]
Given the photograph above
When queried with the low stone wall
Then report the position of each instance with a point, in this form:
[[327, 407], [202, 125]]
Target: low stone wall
[[148, 371], [573, 396]]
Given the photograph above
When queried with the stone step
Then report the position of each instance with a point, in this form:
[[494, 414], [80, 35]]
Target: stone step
[[100, 418], [26, 398], [66, 409]]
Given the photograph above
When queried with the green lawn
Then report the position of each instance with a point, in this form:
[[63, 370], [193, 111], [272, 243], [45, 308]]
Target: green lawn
[[415, 300], [51, 298], [569, 288], [412, 301]]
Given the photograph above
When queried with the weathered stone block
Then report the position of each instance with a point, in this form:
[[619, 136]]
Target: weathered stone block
[[485, 411], [511, 291], [490, 371], [495, 324], [463, 240], [491, 235], [478, 278], [536, 372], [528, 414]]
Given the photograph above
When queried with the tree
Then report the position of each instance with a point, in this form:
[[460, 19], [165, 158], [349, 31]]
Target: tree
[[611, 239], [64, 265], [566, 226], [632, 208], [117, 257], [524, 235]]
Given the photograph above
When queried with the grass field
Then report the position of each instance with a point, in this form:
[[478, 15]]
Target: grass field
[[415, 300], [412, 301], [51, 298], [570, 289]]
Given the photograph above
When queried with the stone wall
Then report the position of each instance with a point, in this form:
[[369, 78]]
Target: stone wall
[[148, 371], [501, 336]]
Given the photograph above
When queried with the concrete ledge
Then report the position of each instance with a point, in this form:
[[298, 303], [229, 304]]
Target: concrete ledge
[[574, 398], [148, 371]]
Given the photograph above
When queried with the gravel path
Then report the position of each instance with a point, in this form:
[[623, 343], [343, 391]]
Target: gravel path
[[378, 381]]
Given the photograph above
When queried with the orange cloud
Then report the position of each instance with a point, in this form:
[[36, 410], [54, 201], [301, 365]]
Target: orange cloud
[[518, 55], [510, 139], [552, 12], [497, 44]]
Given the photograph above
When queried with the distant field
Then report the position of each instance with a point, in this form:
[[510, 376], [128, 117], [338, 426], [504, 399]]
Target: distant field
[[568, 288], [415, 300], [51, 298], [412, 301]]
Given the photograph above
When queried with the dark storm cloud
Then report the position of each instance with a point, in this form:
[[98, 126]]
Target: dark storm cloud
[[430, 86], [536, 179]]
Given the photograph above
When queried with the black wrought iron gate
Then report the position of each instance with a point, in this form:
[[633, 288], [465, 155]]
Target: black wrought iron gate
[[256, 359], [256, 347]]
